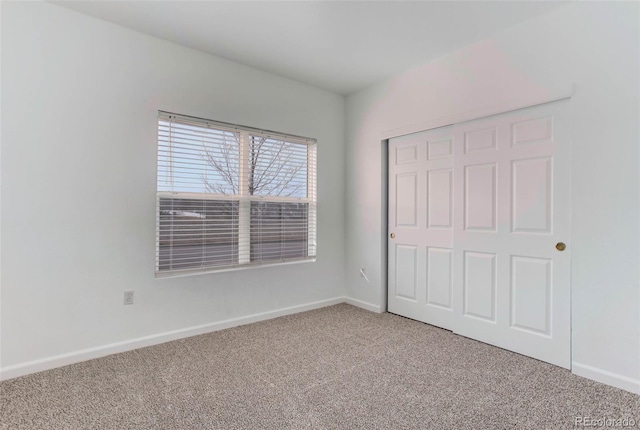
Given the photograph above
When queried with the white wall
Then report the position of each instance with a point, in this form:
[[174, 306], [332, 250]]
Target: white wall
[[591, 45], [80, 99]]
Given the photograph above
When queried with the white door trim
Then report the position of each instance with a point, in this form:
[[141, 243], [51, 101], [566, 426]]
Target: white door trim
[[481, 112]]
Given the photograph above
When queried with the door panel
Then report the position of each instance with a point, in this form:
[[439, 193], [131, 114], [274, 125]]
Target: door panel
[[439, 148], [534, 130], [407, 200], [479, 285], [440, 199], [421, 213], [480, 197], [479, 208], [406, 272], [530, 294], [439, 277], [531, 195], [479, 139]]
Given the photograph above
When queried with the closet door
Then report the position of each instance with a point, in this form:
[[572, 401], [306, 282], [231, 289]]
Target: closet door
[[479, 223], [511, 250], [421, 226]]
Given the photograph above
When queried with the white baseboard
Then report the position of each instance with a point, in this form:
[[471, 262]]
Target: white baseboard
[[48, 363], [364, 305], [606, 377]]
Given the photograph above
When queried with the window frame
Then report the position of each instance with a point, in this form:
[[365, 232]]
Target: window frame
[[243, 197]]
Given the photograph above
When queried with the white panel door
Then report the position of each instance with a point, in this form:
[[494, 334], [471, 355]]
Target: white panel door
[[512, 200], [421, 220], [477, 210]]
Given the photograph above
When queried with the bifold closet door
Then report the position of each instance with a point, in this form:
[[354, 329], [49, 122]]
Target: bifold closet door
[[506, 256]]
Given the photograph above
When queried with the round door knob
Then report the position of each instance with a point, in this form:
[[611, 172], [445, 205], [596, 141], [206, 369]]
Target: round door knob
[[560, 246], [392, 235]]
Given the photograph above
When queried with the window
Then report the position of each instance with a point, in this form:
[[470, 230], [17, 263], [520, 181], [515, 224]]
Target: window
[[231, 196]]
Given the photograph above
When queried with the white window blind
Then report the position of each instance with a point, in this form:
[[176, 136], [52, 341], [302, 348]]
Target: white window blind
[[231, 196]]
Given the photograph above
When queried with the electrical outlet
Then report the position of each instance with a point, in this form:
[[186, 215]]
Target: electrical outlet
[[128, 297]]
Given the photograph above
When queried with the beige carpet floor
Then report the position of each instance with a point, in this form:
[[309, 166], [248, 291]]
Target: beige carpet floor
[[338, 367]]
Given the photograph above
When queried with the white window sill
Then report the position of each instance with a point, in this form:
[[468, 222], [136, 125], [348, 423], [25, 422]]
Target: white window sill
[[212, 270]]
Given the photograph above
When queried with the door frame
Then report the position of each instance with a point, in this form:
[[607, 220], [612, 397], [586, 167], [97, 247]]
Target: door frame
[[456, 118], [384, 258]]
